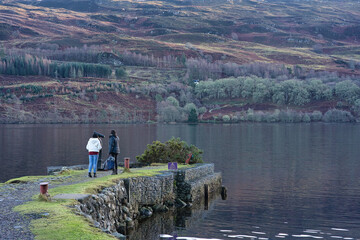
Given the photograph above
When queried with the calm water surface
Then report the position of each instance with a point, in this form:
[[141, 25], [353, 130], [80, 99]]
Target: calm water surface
[[285, 181]]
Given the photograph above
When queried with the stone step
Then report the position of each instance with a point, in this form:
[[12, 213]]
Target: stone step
[[193, 191], [191, 174]]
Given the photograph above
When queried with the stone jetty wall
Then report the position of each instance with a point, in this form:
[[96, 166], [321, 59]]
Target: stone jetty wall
[[116, 209]]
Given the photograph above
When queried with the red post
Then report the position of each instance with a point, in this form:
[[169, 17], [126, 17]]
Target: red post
[[44, 187], [188, 160], [127, 162]]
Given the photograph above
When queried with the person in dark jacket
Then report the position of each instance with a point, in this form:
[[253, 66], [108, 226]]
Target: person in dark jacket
[[114, 149]]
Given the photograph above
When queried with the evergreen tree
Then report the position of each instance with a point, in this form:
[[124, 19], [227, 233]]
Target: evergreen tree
[[193, 118]]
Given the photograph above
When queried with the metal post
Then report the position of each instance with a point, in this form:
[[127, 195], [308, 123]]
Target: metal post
[[127, 162], [44, 187]]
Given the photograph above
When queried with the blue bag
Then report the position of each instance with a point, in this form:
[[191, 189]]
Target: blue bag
[[109, 163]]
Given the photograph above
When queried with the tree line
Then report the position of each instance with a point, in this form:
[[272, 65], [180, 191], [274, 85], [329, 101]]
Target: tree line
[[87, 54], [287, 116], [288, 92], [200, 68], [31, 65]]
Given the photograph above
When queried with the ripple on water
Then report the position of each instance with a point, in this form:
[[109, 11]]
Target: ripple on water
[[242, 236], [340, 229], [167, 236], [282, 235], [307, 236], [312, 231], [196, 238]]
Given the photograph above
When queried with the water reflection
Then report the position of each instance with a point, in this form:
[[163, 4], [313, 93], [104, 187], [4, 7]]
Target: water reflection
[[170, 225], [284, 180]]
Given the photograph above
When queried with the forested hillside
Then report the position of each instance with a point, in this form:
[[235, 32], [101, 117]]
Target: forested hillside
[[179, 60]]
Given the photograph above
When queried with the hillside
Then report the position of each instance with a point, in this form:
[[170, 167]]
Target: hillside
[[165, 46]]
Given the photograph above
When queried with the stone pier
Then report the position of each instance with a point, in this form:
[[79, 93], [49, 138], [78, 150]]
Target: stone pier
[[116, 209]]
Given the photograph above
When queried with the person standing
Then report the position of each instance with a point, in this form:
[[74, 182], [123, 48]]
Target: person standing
[[114, 149], [93, 146]]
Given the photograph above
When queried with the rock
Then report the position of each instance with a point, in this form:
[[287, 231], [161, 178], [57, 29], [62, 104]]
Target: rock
[[119, 236], [169, 203], [130, 224], [179, 203], [125, 210], [121, 228], [124, 201], [44, 214], [96, 224], [105, 230], [160, 208], [145, 212], [188, 197]]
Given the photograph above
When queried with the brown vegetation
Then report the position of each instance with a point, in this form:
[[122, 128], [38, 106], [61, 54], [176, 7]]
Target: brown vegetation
[[162, 42]]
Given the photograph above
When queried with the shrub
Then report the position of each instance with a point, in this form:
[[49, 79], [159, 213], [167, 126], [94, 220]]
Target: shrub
[[306, 118], [356, 107], [202, 110], [226, 118], [174, 150], [290, 116], [190, 106], [335, 115], [316, 116], [158, 98], [173, 101], [169, 113], [273, 117], [120, 73]]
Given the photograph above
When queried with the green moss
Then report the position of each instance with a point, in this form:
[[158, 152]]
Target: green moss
[[24, 179], [61, 221]]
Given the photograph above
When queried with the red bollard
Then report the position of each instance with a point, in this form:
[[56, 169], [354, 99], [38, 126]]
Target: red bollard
[[44, 187], [127, 162]]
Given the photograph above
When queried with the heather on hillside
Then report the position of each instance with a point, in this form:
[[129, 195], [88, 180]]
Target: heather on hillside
[[176, 61]]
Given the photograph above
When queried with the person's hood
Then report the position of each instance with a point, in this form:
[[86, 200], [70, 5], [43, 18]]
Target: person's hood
[[93, 140]]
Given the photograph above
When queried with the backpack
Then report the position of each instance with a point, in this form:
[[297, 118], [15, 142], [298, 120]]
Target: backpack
[[109, 163]]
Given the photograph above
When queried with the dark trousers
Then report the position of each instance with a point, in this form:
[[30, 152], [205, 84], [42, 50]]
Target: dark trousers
[[99, 160], [115, 170]]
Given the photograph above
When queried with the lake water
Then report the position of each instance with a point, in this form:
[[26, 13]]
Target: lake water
[[285, 181]]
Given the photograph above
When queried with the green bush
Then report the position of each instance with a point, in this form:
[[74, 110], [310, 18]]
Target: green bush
[[335, 115], [120, 73], [226, 118], [174, 150]]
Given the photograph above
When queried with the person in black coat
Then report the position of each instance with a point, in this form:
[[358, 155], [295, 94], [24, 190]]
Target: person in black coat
[[114, 149]]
